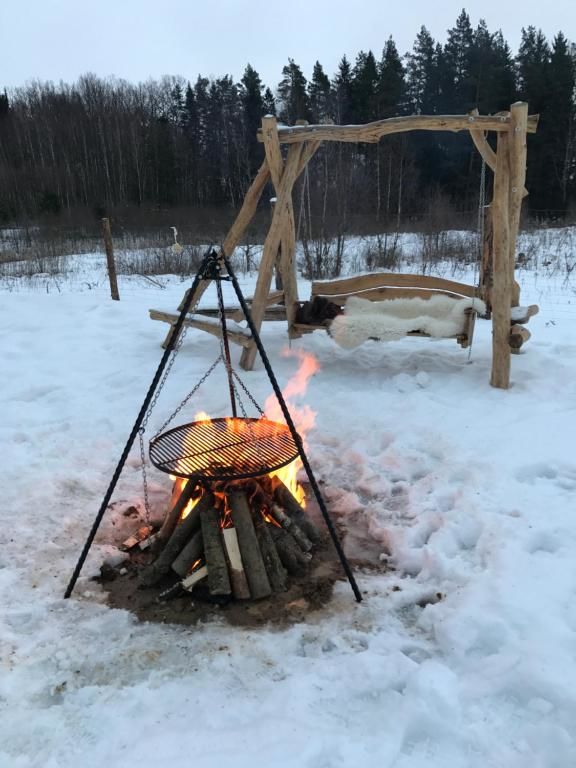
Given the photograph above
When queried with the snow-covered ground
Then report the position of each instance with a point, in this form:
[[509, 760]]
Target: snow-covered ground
[[464, 655]]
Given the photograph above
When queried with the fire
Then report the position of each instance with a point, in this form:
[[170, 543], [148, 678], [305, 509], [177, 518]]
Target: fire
[[303, 416]]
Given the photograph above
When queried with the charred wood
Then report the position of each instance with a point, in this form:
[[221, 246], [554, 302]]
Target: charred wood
[[277, 574], [286, 500]]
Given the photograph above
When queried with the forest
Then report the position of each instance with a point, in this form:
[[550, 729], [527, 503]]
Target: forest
[[174, 148]]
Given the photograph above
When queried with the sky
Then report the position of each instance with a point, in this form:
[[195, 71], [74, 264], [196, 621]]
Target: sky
[[138, 39]]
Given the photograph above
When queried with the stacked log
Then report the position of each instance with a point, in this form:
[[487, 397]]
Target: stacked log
[[237, 540]]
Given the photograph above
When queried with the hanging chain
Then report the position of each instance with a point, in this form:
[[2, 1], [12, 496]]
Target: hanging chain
[[141, 431], [144, 478], [189, 395], [247, 393]]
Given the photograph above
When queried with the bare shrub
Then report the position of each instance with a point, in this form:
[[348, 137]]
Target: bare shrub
[[383, 252]]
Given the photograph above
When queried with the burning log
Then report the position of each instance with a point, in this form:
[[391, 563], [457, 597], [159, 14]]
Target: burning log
[[218, 578], [291, 526], [292, 557], [189, 555], [289, 504], [240, 587], [174, 515], [248, 543], [181, 534], [277, 574], [241, 538], [195, 578]]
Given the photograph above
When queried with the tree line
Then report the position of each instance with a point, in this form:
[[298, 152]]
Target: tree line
[[103, 146]]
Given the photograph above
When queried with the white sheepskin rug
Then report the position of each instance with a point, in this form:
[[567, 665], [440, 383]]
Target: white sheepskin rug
[[439, 316]]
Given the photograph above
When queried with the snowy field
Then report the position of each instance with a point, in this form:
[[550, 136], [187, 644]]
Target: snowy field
[[463, 653]]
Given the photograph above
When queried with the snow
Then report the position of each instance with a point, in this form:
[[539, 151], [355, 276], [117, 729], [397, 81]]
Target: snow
[[463, 655]]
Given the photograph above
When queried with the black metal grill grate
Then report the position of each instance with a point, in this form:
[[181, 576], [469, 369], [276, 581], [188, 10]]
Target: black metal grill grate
[[224, 449]]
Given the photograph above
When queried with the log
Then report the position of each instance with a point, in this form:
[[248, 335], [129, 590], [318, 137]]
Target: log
[[372, 132], [518, 336], [271, 244], [277, 574], [174, 514], [502, 288], [240, 587], [195, 578], [189, 555], [180, 536], [248, 543], [286, 500], [290, 525], [290, 554], [218, 578], [517, 149]]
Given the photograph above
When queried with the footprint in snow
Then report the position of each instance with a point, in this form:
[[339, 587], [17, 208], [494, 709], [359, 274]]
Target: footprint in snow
[[563, 476]]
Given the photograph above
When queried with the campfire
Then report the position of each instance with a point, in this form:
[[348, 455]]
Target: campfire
[[233, 538], [236, 526]]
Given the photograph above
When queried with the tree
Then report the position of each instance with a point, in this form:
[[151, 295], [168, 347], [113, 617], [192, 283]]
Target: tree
[[343, 92], [252, 110], [391, 86], [320, 95], [422, 75], [293, 94], [364, 88], [458, 87]]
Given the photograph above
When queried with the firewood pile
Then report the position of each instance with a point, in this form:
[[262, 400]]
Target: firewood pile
[[239, 539]]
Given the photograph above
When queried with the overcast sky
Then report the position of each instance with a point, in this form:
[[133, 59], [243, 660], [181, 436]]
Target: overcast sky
[[138, 39]]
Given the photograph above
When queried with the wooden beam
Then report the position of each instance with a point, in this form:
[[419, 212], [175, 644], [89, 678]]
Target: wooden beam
[[288, 235], [246, 213], [372, 132], [501, 291], [208, 324], [518, 127], [281, 211], [359, 283]]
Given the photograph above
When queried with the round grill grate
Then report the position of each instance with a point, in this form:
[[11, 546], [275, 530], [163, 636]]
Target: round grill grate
[[223, 449]]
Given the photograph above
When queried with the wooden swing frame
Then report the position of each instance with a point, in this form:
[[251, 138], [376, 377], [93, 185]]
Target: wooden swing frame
[[497, 283]]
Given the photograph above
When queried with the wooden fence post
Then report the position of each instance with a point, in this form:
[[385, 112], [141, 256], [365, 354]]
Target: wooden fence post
[[110, 259]]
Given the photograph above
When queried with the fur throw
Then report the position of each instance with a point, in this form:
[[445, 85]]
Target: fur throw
[[440, 316]]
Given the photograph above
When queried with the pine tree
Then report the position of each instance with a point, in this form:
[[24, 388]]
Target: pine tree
[[4, 104], [342, 88], [391, 86], [269, 103], [422, 75], [458, 90], [293, 94], [320, 94], [252, 110], [364, 88]]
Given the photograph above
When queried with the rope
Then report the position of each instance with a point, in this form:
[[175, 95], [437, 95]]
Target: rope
[[479, 238]]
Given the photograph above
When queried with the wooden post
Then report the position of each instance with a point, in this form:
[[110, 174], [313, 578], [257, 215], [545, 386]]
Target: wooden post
[[518, 132], [110, 259], [501, 291], [273, 240]]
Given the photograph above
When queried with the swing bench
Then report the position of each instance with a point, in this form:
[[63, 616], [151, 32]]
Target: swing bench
[[422, 303], [386, 306]]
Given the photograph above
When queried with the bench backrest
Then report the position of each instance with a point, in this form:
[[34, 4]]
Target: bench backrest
[[381, 286]]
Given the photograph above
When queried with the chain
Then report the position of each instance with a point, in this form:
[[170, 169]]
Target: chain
[[144, 476], [247, 393], [188, 396]]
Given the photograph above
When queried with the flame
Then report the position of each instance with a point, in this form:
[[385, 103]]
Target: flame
[[201, 416], [177, 488], [303, 416]]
